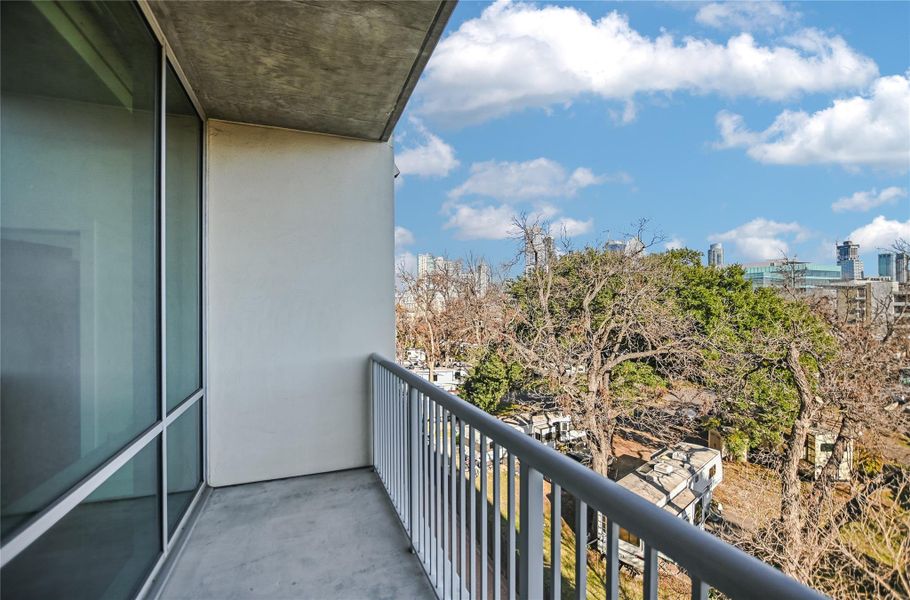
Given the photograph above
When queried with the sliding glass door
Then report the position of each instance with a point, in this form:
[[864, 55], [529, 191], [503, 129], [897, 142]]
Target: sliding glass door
[[101, 308]]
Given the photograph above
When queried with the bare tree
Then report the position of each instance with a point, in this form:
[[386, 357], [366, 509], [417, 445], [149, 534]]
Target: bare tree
[[843, 374], [448, 310], [575, 318]]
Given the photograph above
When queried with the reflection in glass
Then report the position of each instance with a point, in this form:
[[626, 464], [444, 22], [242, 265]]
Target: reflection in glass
[[183, 135], [79, 300], [104, 548], [184, 463]]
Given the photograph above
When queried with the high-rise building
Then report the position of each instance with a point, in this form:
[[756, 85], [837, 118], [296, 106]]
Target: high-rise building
[[886, 265], [902, 267], [716, 255], [539, 249], [851, 266]]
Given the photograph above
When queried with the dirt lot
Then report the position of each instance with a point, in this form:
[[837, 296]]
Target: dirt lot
[[750, 495]]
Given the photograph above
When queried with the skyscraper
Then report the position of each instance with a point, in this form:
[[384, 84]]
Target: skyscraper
[[851, 267], [902, 267], [886, 265], [716, 255], [539, 249]]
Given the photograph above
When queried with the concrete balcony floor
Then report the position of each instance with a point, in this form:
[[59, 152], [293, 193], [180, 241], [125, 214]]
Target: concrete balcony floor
[[325, 536]]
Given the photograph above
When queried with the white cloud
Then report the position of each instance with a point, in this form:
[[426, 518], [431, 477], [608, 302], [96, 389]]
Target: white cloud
[[881, 233], [763, 239], [481, 223], [871, 130], [568, 227], [747, 16], [405, 262], [674, 243], [497, 222], [864, 201], [517, 56], [403, 236], [538, 178], [432, 158]]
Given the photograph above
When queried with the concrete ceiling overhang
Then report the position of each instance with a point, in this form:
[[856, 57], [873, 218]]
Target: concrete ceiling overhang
[[338, 67]]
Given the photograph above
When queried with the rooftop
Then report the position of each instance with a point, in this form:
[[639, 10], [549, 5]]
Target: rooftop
[[684, 460]]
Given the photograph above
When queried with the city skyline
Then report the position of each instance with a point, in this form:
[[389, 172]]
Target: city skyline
[[725, 154]]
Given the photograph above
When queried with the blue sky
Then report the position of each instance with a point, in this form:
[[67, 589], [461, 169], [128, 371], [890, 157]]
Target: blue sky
[[770, 127]]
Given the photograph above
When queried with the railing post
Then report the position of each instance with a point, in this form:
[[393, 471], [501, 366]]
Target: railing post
[[413, 432], [530, 533]]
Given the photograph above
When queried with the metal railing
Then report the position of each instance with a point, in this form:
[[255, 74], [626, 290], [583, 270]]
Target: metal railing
[[430, 450]]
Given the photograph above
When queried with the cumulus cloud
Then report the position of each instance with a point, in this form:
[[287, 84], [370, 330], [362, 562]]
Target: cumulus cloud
[[516, 56], [431, 158], [864, 201], [481, 222], [747, 16], [674, 243], [472, 221], [881, 233], [538, 178], [568, 227], [403, 236], [867, 130], [405, 262], [763, 239]]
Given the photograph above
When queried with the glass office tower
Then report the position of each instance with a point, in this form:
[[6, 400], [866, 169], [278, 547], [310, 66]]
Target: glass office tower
[[101, 300]]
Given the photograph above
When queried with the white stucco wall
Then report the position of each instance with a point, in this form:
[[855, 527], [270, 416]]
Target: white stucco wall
[[300, 284]]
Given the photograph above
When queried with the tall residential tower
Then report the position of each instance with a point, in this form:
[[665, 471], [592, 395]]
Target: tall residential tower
[[716, 255]]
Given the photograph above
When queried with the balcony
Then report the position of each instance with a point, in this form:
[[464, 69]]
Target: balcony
[[411, 528]]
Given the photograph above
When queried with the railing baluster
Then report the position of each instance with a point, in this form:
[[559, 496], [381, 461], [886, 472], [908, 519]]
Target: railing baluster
[[425, 477], [649, 587], [581, 550], [497, 521], [472, 502], [699, 589], [453, 508], [483, 517], [446, 537], [385, 419], [436, 495], [612, 559], [462, 516], [510, 496], [414, 474], [531, 533], [555, 541]]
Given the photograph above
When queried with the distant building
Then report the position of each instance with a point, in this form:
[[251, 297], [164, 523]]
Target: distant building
[[428, 264], [886, 265], [799, 275], [630, 246], [539, 250], [851, 266], [484, 278], [449, 379], [680, 479], [902, 267], [716, 255], [547, 428], [870, 301]]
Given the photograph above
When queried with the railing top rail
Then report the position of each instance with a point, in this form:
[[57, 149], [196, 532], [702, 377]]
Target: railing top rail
[[702, 555]]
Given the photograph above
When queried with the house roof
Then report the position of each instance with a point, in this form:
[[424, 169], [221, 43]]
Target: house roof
[[665, 476], [341, 68]]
